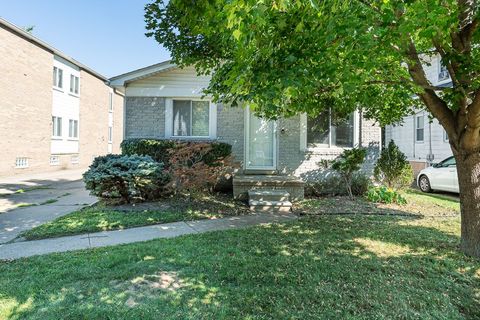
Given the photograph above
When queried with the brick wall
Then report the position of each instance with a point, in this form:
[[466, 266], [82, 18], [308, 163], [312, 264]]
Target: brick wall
[[230, 129], [25, 104], [145, 117]]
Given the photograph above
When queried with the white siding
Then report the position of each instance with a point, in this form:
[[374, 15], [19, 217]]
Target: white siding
[[66, 106], [169, 83]]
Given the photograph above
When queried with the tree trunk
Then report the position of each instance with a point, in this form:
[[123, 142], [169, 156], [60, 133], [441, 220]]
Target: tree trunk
[[468, 170]]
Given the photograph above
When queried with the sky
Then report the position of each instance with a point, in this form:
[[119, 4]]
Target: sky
[[106, 35]]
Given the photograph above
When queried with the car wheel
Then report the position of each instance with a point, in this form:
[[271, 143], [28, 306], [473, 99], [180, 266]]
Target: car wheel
[[424, 184]]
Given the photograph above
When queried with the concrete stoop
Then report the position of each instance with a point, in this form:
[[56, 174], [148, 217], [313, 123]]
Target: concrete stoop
[[274, 201]]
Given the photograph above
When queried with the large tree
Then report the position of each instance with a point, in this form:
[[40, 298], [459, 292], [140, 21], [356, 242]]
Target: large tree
[[291, 56]]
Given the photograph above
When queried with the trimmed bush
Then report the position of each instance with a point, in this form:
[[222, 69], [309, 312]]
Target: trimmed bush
[[126, 178], [392, 168], [161, 150], [349, 162], [335, 186]]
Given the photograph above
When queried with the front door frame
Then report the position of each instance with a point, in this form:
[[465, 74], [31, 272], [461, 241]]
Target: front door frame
[[247, 145]]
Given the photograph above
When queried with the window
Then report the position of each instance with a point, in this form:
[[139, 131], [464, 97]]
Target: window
[[419, 129], [74, 84], [54, 160], [442, 72], [449, 162], [56, 126], [110, 134], [330, 130], [21, 162], [74, 160], [73, 128], [445, 136], [191, 118], [57, 77], [110, 102]]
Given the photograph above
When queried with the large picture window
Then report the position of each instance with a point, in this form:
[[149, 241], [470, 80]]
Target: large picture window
[[330, 130], [191, 118]]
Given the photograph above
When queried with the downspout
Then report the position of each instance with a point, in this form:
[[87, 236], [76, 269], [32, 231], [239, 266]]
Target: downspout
[[414, 134]]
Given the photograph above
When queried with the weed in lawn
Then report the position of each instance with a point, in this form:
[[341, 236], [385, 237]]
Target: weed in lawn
[[25, 205], [49, 201]]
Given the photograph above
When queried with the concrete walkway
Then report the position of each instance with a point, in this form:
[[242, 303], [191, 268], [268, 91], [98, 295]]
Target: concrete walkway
[[42, 198], [110, 238]]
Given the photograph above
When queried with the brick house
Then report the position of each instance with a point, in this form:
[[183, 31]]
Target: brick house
[[56, 112], [166, 102]]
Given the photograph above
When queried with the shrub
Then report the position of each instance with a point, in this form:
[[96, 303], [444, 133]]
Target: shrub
[[161, 150], [126, 178], [347, 164], [385, 195], [392, 168], [335, 186], [200, 166]]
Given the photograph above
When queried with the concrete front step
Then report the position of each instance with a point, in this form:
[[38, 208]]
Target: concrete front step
[[270, 206], [244, 183], [268, 195]]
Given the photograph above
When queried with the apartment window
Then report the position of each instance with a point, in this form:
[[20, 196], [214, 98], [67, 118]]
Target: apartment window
[[110, 134], [445, 136], [73, 128], [54, 160], [191, 118], [419, 128], [74, 84], [442, 72], [330, 130], [21, 162], [56, 126], [74, 160], [57, 77], [110, 102]]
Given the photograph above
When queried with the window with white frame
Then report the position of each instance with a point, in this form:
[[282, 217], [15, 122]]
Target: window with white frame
[[110, 134], [74, 84], [442, 71], [419, 128], [110, 102], [56, 126], [191, 118], [330, 130], [57, 77], [445, 136], [21, 162], [74, 159], [73, 129]]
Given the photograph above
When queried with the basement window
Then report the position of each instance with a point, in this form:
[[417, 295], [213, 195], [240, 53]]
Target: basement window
[[21, 162]]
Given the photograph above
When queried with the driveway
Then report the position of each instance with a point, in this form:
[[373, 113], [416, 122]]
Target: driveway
[[30, 200]]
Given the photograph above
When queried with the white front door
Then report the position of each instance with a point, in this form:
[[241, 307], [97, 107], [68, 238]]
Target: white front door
[[261, 151]]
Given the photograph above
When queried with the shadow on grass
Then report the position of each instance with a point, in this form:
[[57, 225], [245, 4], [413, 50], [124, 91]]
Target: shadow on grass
[[324, 267]]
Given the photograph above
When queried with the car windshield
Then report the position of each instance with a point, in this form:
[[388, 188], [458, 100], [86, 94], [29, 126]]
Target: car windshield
[[448, 162]]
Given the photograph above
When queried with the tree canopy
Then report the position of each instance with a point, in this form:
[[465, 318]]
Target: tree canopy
[[291, 56]]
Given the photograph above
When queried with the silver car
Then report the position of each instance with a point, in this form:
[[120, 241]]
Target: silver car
[[441, 176]]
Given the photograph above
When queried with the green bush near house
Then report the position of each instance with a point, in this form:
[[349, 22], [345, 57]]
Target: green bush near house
[[392, 168], [385, 195], [126, 178], [161, 149], [335, 186]]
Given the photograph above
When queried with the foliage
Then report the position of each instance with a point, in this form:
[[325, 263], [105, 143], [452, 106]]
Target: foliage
[[393, 169], [161, 150], [385, 195], [125, 178], [335, 186], [199, 166], [347, 164]]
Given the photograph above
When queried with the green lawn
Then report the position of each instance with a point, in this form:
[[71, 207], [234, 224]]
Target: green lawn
[[101, 217], [330, 267]]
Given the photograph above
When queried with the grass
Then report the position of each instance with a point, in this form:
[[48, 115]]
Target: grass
[[103, 218], [26, 204], [322, 267], [49, 201]]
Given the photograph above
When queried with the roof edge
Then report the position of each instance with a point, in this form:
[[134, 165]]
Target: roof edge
[[121, 79]]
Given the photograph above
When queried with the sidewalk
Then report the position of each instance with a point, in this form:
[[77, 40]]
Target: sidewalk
[[43, 197], [111, 238]]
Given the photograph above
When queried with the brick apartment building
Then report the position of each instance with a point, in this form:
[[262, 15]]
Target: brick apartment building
[[56, 112]]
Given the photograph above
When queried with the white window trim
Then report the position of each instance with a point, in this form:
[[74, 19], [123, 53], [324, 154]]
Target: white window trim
[[55, 86], [212, 118], [110, 102], [445, 136], [21, 163], [110, 134], [54, 160], [54, 136], [78, 130], [444, 80], [73, 93], [328, 148], [416, 129]]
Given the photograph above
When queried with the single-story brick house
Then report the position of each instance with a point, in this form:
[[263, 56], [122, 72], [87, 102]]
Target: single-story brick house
[[165, 101]]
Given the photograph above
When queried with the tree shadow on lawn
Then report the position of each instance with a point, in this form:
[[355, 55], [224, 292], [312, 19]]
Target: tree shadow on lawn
[[325, 267]]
